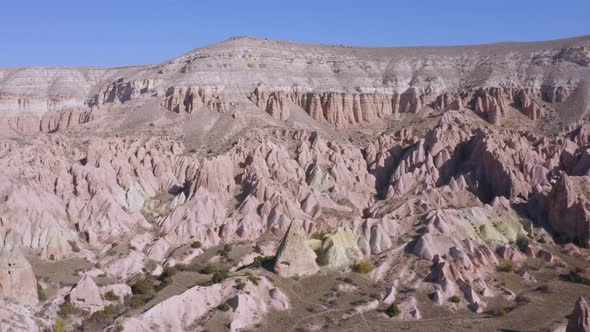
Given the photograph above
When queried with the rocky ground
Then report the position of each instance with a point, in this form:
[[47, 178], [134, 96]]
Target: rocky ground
[[268, 185]]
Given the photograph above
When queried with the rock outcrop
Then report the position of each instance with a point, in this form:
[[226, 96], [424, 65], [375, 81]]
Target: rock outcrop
[[579, 320], [17, 280], [569, 208], [339, 250], [181, 312], [86, 295], [295, 257]]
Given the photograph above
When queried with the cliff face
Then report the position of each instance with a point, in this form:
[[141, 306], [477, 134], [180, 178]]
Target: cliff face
[[337, 85]]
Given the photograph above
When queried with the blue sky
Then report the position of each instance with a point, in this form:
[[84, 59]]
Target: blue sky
[[124, 32]]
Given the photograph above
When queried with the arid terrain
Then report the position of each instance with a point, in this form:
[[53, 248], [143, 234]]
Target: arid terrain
[[263, 185]]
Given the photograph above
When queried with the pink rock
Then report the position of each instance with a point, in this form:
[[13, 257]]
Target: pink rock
[[580, 318], [86, 295], [546, 256], [17, 280], [568, 209], [511, 254]]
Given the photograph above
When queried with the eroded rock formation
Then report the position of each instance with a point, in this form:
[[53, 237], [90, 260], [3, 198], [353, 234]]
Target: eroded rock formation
[[433, 174]]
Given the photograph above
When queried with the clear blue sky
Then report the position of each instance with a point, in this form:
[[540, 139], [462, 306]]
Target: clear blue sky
[[123, 32]]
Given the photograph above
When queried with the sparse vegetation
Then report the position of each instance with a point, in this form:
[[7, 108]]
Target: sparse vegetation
[[51, 257], [455, 299], [108, 309], [169, 271], [58, 326], [363, 267], [321, 258], [223, 307], [507, 266], [111, 296], [68, 308], [219, 276], [253, 279], [225, 250], [143, 286], [536, 264], [187, 267], [576, 275], [502, 312], [264, 262], [392, 310], [163, 283], [208, 269], [544, 289], [196, 245], [136, 301], [41, 292], [257, 249], [100, 319], [240, 284], [522, 300], [319, 236]]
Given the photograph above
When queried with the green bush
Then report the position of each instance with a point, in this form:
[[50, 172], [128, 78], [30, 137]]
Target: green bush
[[68, 308], [264, 261], [111, 296], [319, 236], [51, 257], [392, 310], [219, 276], [168, 272], [223, 307], [455, 299], [253, 279], [137, 300], [187, 267], [536, 264], [196, 245], [108, 309], [321, 257], [363, 267], [142, 287], [576, 276], [164, 283], [507, 266], [240, 284], [208, 269], [58, 326], [41, 292], [226, 250], [257, 249]]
